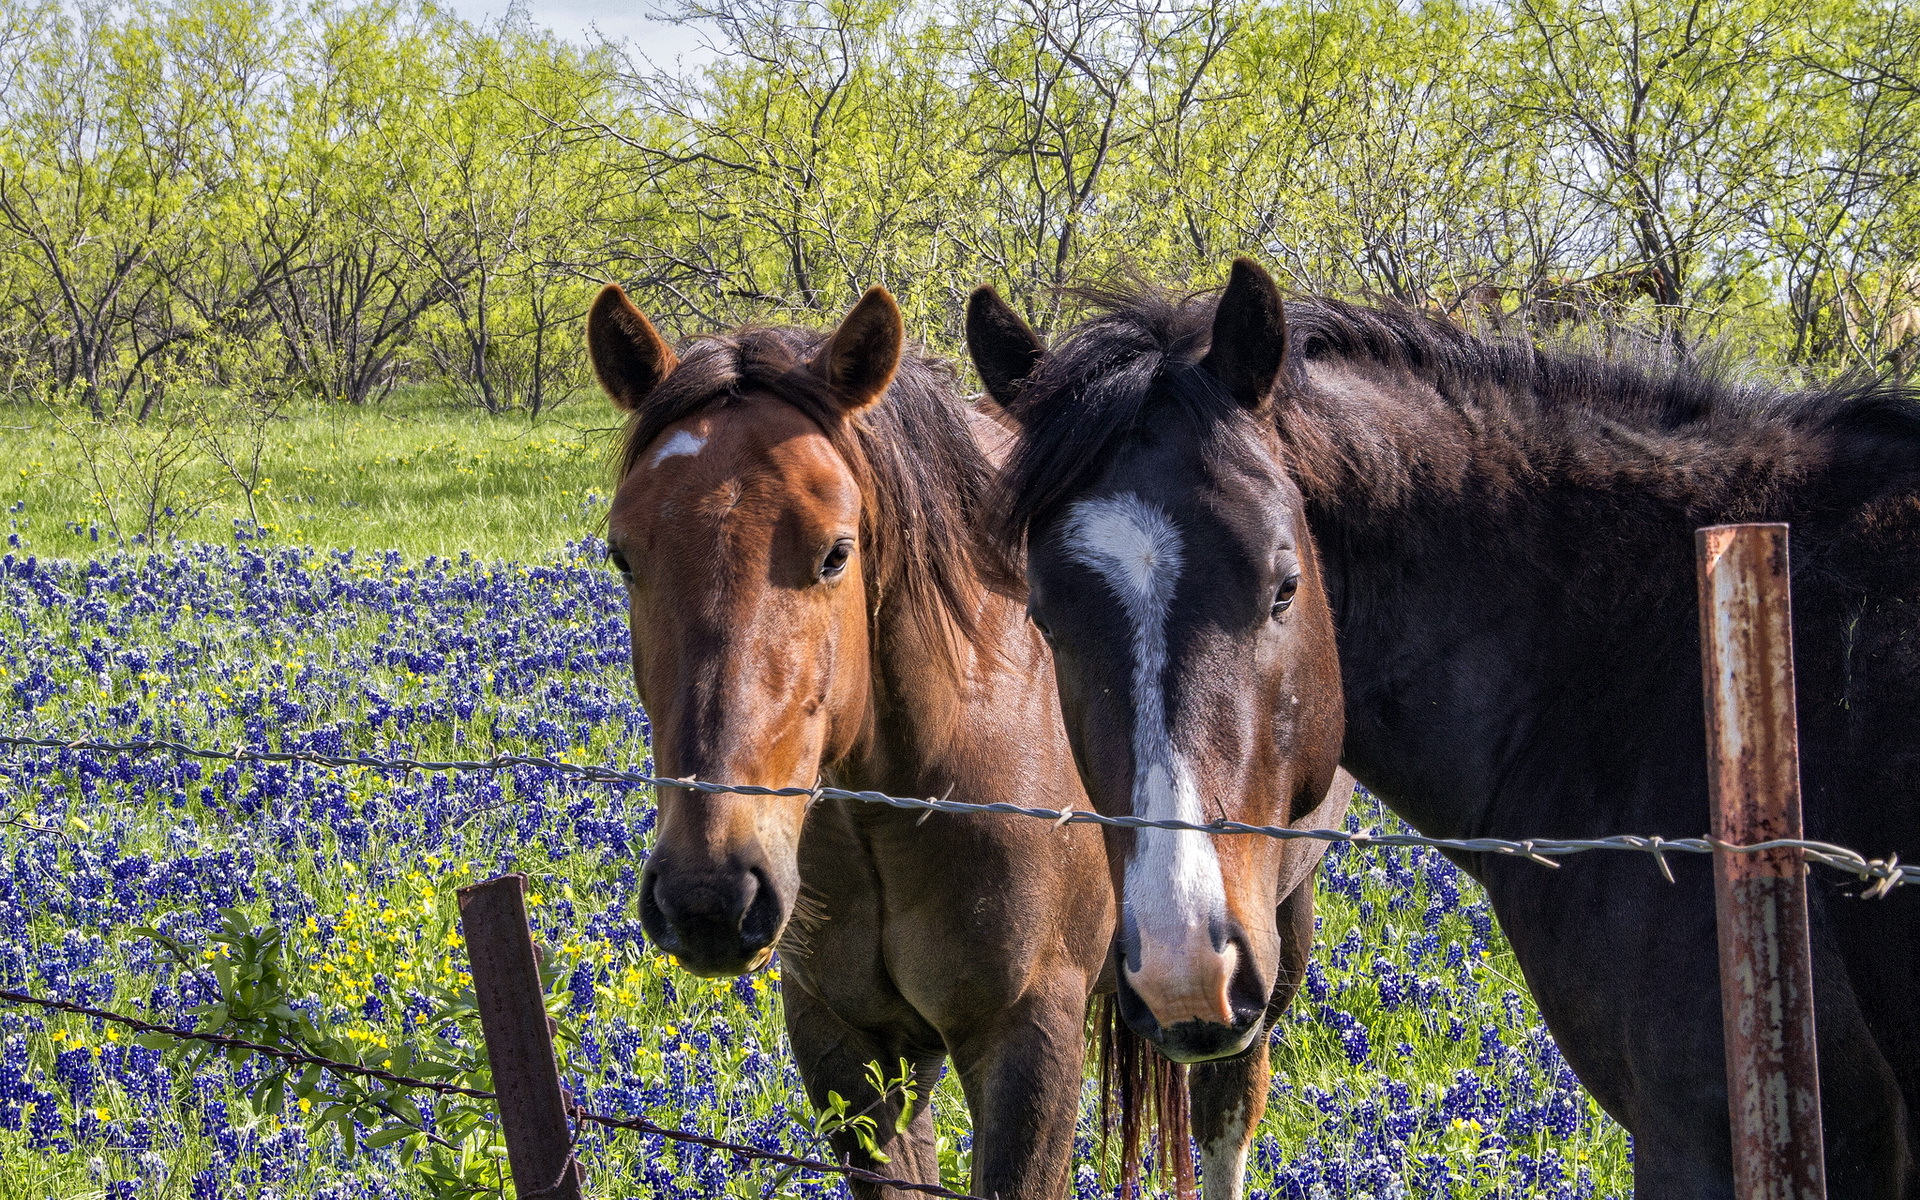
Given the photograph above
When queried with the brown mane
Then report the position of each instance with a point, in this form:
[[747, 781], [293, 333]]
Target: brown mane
[[921, 474]]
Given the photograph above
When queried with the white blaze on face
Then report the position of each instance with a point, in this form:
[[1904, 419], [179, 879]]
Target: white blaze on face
[[1175, 897], [682, 442]]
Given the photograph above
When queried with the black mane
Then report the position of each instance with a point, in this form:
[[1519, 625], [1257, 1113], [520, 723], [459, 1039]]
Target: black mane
[[1471, 413], [1136, 362]]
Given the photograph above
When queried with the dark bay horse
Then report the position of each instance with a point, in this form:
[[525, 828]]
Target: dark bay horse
[[795, 519], [1206, 923], [1504, 537]]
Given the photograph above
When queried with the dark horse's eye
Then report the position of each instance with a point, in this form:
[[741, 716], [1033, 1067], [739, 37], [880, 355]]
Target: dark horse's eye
[[1046, 635], [836, 560], [619, 562], [1283, 599]]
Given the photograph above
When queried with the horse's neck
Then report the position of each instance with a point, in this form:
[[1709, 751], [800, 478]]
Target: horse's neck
[[929, 725], [1480, 602]]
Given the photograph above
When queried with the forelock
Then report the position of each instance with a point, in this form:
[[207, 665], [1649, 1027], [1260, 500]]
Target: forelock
[[1135, 363]]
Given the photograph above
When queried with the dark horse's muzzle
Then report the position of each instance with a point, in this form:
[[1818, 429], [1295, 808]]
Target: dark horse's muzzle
[[717, 922], [1195, 1041]]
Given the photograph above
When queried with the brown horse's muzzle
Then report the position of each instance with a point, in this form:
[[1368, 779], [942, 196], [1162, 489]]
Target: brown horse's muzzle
[[717, 922]]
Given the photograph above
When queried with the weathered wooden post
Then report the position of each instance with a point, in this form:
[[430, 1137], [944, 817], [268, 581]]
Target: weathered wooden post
[[513, 1018], [1760, 899]]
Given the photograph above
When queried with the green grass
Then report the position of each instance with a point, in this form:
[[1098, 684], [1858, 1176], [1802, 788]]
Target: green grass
[[414, 474]]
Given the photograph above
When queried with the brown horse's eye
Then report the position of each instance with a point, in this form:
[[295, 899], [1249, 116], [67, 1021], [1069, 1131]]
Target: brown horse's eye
[[1283, 599], [836, 560], [619, 562]]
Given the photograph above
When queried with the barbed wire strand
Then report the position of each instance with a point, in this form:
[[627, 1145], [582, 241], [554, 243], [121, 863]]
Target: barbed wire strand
[[633, 1124], [1884, 874]]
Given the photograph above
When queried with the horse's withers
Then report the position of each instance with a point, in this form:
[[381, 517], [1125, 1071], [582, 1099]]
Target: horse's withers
[[750, 646], [1188, 695]]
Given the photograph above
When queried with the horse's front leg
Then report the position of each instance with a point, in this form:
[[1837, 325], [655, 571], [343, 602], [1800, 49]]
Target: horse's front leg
[[1022, 1075], [1230, 1096], [833, 1056]]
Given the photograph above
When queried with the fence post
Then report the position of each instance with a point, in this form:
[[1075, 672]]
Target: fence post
[[1760, 900], [513, 1018]]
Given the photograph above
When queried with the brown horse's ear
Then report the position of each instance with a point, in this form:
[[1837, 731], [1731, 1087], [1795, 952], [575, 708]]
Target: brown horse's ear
[[1005, 349], [1249, 335], [629, 355], [864, 352]]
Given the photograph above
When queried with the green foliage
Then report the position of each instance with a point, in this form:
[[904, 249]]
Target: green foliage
[[418, 474], [450, 1139], [837, 1115], [328, 202], [1735, 170]]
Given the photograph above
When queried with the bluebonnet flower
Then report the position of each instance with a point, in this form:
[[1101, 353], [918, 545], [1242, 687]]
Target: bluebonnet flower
[[342, 653]]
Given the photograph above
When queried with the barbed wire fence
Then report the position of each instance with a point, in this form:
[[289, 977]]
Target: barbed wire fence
[[633, 1124], [1881, 875], [576, 1113]]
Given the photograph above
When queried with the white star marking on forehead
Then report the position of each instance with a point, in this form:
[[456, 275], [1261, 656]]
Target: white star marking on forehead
[[1132, 544], [682, 442]]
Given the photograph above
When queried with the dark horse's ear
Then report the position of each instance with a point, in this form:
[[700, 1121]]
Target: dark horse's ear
[[1005, 349], [860, 358], [629, 355], [1249, 335]]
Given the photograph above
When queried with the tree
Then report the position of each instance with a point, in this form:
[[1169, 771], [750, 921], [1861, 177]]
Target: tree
[[1668, 117]]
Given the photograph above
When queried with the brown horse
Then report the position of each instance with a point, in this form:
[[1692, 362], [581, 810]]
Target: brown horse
[[795, 519]]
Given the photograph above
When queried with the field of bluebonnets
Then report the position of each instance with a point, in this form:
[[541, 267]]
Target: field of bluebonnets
[[316, 907]]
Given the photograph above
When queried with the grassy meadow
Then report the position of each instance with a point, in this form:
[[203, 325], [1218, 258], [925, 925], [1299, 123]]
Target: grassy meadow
[[429, 582], [415, 474]]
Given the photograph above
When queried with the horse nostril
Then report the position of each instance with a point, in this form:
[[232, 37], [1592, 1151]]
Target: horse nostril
[[762, 918], [657, 899], [1197, 998], [715, 923], [742, 900], [657, 917]]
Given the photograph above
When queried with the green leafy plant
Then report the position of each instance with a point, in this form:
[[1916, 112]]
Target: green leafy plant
[[836, 1117], [452, 1140]]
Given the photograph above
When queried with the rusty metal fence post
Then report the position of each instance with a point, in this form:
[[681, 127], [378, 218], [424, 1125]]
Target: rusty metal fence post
[[513, 1019], [1760, 900]]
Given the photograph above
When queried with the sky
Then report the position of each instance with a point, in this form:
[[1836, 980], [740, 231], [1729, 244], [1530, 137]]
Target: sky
[[620, 19]]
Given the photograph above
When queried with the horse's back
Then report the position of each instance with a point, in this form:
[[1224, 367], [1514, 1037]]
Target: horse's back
[[991, 430]]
